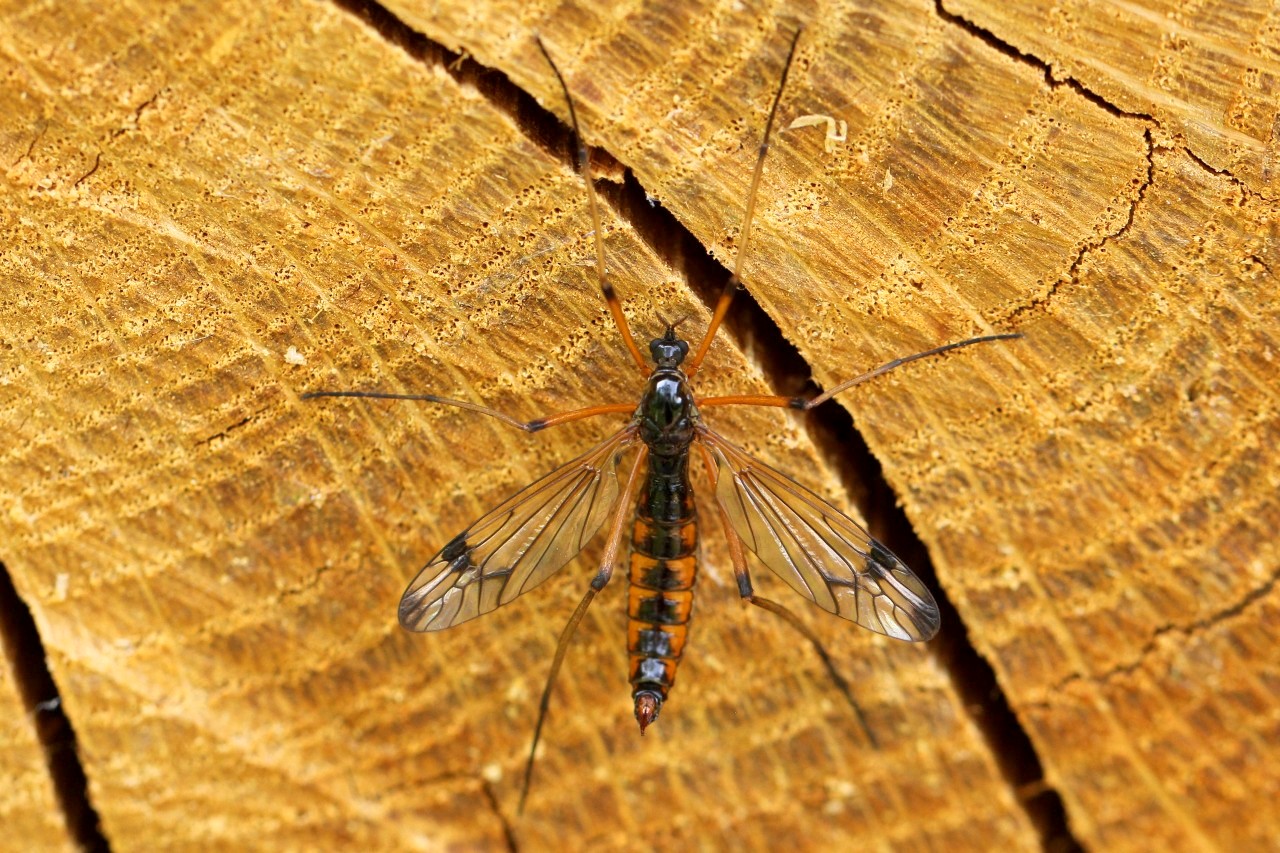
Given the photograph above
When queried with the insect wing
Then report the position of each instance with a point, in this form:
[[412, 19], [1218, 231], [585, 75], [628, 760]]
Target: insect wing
[[519, 544], [822, 553]]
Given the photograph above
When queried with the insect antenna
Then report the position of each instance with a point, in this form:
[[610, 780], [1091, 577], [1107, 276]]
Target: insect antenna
[[734, 284], [669, 324], [805, 404], [582, 159], [527, 426]]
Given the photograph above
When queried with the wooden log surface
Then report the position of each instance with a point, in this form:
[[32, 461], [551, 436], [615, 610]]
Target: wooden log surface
[[209, 211], [29, 807]]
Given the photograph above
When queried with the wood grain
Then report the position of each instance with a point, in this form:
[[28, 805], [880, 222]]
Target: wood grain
[[209, 211], [1101, 513], [1204, 74], [28, 806], [231, 216]]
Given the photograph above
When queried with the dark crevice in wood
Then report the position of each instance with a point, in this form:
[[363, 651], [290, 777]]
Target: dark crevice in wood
[[1247, 193], [25, 653], [1031, 60], [831, 426], [97, 161], [397, 32], [1251, 597], [539, 125], [833, 430], [974, 678], [993, 41], [1089, 247], [843, 447]]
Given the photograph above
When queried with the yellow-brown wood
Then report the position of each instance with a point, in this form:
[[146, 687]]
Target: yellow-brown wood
[[28, 807], [1205, 73], [1103, 513], [207, 212]]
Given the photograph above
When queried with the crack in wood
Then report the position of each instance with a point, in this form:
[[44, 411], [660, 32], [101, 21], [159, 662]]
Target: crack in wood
[[26, 155], [135, 118], [1247, 193], [1088, 247], [993, 41], [97, 161], [235, 426], [1219, 616], [831, 427], [21, 640]]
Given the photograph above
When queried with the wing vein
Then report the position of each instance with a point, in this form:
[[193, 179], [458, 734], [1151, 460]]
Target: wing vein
[[520, 543], [819, 551]]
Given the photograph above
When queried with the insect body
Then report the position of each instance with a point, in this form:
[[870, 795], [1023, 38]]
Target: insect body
[[821, 553], [664, 537]]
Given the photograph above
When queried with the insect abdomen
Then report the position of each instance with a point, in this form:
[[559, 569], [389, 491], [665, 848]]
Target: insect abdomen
[[664, 566]]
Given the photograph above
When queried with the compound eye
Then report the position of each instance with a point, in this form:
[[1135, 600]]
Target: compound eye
[[667, 352]]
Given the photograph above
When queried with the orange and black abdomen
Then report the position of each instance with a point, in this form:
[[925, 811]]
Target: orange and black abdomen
[[664, 565]]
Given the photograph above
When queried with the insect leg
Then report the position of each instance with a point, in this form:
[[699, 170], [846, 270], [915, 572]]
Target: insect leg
[[583, 160], [734, 284], [806, 632], [804, 404], [737, 556], [528, 426], [608, 562]]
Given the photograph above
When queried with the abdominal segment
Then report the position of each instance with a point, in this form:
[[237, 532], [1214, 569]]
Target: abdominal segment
[[664, 567]]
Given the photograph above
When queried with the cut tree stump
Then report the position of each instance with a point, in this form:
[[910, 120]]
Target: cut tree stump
[[211, 209]]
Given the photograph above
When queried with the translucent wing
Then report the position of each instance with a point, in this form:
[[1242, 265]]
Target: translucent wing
[[823, 554], [519, 544]]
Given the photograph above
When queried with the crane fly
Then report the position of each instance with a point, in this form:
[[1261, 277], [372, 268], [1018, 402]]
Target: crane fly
[[820, 552]]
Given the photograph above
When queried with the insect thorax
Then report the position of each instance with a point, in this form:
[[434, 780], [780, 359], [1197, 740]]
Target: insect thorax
[[666, 415]]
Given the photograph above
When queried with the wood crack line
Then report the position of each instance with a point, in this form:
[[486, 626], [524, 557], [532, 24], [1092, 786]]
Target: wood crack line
[[1088, 247], [130, 124], [1247, 193], [1031, 60], [1250, 598], [993, 41]]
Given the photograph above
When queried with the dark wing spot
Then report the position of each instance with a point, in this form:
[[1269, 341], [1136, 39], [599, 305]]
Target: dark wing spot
[[455, 549], [881, 560]]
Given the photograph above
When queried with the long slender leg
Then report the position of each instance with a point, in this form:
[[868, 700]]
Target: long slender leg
[[583, 158], [737, 556], [608, 562], [806, 632], [528, 426], [804, 404], [734, 284]]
